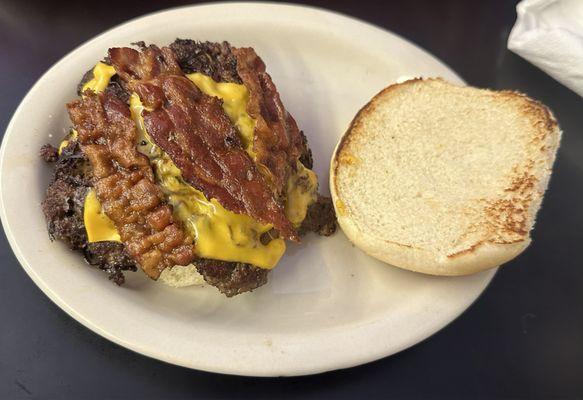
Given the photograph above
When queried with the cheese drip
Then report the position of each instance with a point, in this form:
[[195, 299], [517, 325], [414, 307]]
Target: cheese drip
[[102, 74], [302, 191], [98, 225]]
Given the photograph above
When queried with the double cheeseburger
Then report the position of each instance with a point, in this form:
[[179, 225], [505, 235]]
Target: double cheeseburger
[[183, 162]]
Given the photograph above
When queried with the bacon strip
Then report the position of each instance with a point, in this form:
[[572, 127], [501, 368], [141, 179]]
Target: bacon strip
[[278, 142], [193, 129], [124, 184]]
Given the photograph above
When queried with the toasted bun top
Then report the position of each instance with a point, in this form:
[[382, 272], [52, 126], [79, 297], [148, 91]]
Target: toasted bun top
[[443, 179]]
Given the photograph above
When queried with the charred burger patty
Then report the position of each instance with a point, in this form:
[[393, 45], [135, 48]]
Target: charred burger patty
[[158, 133]]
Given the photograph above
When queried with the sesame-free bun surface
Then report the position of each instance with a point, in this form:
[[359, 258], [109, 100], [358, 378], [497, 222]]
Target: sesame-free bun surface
[[443, 179], [181, 276]]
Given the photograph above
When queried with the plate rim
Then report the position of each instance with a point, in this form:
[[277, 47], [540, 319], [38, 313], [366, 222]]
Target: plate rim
[[355, 359]]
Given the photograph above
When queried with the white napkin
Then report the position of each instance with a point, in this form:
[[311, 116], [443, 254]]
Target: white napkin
[[549, 34]]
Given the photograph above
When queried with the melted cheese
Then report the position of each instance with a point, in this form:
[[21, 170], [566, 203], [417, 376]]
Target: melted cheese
[[302, 186], [219, 233], [302, 191], [98, 225], [235, 98], [341, 208], [72, 135], [102, 73]]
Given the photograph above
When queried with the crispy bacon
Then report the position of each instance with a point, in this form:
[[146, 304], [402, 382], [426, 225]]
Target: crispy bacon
[[278, 142], [134, 66], [124, 184], [193, 129]]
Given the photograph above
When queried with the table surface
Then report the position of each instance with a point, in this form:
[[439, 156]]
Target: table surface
[[522, 338]]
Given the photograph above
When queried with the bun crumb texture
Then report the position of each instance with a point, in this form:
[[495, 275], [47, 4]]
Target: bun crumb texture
[[443, 179]]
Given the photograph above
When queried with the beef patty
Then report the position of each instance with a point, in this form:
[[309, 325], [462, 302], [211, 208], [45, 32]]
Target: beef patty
[[65, 196], [63, 209]]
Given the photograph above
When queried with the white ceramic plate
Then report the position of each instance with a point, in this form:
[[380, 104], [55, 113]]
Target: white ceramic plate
[[327, 305]]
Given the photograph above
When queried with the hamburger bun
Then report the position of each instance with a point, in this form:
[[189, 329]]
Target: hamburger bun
[[181, 276], [443, 179]]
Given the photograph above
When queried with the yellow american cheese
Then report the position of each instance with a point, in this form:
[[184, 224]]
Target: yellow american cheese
[[302, 191], [219, 233], [102, 73], [98, 225], [302, 186], [71, 136]]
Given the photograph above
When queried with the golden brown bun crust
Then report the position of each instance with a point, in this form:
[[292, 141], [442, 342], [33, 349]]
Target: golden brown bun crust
[[507, 144]]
